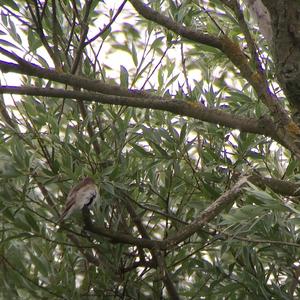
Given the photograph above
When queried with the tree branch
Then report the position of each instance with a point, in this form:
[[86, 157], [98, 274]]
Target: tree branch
[[26, 68], [208, 214], [248, 37], [191, 34], [98, 260], [118, 237], [77, 69], [223, 43], [108, 26], [262, 126], [156, 254], [287, 130], [84, 31], [282, 187]]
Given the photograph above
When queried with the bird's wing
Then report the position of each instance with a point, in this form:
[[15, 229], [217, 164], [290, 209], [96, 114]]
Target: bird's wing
[[70, 202], [76, 188]]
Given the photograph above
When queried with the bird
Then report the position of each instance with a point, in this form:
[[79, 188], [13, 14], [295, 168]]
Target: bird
[[85, 193]]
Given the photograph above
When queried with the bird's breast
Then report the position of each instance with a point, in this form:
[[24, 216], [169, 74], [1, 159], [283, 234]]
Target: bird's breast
[[91, 199]]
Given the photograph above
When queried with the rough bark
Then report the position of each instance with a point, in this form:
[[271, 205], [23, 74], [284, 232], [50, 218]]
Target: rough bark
[[285, 19]]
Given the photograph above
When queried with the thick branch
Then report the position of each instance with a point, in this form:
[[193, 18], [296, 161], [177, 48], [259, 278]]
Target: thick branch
[[183, 108], [26, 68], [191, 34], [281, 187], [287, 129], [284, 134], [229, 48], [285, 16]]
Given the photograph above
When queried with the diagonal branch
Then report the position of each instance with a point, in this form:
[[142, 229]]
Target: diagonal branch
[[204, 218], [208, 214], [108, 26], [191, 34], [84, 31]]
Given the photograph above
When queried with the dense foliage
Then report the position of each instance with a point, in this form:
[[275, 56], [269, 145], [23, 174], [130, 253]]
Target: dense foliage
[[175, 110]]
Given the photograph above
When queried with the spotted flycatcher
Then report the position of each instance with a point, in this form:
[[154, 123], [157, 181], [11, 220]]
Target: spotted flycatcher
[[85, 193]]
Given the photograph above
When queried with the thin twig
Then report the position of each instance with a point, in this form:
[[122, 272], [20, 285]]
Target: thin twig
[[108, 26]]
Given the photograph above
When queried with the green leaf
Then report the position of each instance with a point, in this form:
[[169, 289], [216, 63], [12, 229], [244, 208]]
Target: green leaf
[[182, 135], [261, 195], [34, 41], [108, 187], [7, 43], [134, 55], [32, 222], [157, 43], [106, 33], [141, 150], [39, 263], [12, 4], [158, 149], [172, 80], [124, 77]]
